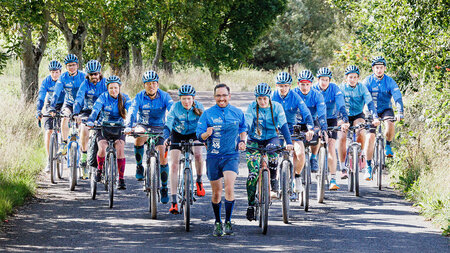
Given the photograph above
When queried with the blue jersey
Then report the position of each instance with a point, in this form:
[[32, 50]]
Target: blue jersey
[[334, 101], [228, 123], [382, 91], [149, 112], [294, 109], [316, 105], [70, 84], [46, 92], [355, 99], [88, 94], [108, 109], [181, 120]]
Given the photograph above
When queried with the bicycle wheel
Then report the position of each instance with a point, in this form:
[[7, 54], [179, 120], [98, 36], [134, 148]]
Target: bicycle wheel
[[265, 197], [355, 169], [322, 174], [52, 157], [73, 165], [153, 194], [306, 181], [187, 198], [381, 163], [148, 183], [285, 180], [351, 174], [111, 176], [93, 182]]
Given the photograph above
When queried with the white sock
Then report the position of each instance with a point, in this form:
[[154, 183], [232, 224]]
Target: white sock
[[342, 165]]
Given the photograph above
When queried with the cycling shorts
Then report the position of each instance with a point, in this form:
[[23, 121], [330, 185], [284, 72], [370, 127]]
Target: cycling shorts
[[176, 137], [388, 113], [47, 121], [351, 119], [66, 110], [332, 123]]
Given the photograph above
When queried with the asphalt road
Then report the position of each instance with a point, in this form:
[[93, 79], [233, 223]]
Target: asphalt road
[[60, 220]]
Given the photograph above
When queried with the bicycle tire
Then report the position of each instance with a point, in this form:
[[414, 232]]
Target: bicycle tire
[[322, 174], [306, 187], [52, 157], [351, 174], [187, 199], [93, 182], [285, 179], [148, 184], [356, 169], [111, 176], [265, 201], [381, 164], [73, 166], [153, 196]]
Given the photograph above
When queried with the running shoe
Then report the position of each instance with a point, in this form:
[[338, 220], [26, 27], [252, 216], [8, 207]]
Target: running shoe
[[98, 176], [121, 185], [333, 185], [344, 174], [218, 229], [388, 151], [139, 172], [298, 185], [228, 230], [200, 189], [250, 213], [314, 165], [164, 195], [47, 168], [174, 209], [368, 174], [294, 196]]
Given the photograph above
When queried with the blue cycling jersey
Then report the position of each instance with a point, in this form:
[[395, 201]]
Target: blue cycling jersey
[[181, 120], [88, 94], [70, 84], [46, 92], [355, 99], [150, 112], [382, 91], [266, 124], [294, 109], [228, 124], [108, 109], [316, 105], [334, 100]]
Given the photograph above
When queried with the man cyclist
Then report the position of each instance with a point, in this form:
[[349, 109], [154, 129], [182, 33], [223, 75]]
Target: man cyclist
[[70, 82], [223, 129], [334, 101], [148, 110], [91, 88], [44, 96], [382, 88], [293, 105]]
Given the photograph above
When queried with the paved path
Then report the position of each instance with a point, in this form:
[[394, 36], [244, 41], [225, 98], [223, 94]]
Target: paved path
[[59, 220]]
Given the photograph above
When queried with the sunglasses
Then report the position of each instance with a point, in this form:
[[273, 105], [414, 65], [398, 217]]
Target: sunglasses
[[94, 74]]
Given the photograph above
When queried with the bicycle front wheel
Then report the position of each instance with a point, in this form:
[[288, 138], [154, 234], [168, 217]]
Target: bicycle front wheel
[[153, 194], [323, 156], [93, 183], [381, 164], [73, 165], [111, 176], [306, 181], [187, 198], [285, 179], [265, 201], [351, 174], [356, 169]]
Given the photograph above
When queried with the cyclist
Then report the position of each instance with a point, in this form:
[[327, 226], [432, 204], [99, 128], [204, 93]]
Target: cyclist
[[47, 88], [356, 96], [293, 105], [223, 129], [263, 118], [382, 88], [149, 110], [180, 126], [316, 105], [112, 107], [334, 101], [70, 82], [89, 91]]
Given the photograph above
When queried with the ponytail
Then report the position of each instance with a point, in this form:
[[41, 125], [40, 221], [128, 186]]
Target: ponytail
[[273, 119], [197, 111], [258, 129], [121, 105]]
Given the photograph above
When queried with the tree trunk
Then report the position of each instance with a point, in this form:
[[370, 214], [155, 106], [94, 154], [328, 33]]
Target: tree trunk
[[215, 76], [31, 59], [101, 46], [137, 58], [167, 66], [125, 59], [161, 30]]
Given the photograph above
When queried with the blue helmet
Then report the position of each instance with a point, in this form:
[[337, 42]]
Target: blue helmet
[[113, 79], [150, 76], [352, 69], [379, 60], [54, 65], [283, 77], [324, 72], [93, 66], [70, 58], [305, 75], [263, 89], [186, 90]]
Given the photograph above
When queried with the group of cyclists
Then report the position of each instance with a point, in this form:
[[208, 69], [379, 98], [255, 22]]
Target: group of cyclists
[[91, 99]]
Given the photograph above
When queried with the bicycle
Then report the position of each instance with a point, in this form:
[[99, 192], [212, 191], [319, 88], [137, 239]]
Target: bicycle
[[263, 186], [322, 175], [286, 178], [152, 178], [353, 159], [73, 156], [379, 157], [110, 168], [55, 158], [185, 179]]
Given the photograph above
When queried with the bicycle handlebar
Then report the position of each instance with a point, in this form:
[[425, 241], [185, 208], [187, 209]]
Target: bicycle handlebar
[[265, 149]]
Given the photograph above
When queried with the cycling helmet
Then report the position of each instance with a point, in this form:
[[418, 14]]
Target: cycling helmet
[[283, 77], [186, 90], [150, 76], [352, 69], [324, 72], [379, 60], [305, 75], [54, 65], [113, 79], [263, 89], [93, 66], [70, 58]]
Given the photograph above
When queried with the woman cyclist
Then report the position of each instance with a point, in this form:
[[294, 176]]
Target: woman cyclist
[[45, 93], [180, 126], [263, 118], [112, 107], [148, 110], [294, 105]]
